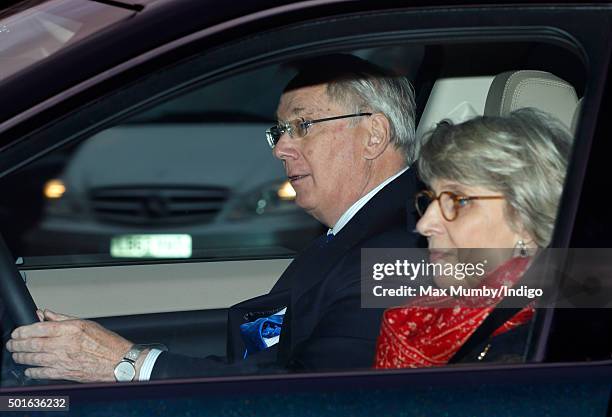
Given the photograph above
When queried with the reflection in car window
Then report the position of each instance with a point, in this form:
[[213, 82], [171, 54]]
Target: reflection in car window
[[190, 178], [31, 35], [183, 180]]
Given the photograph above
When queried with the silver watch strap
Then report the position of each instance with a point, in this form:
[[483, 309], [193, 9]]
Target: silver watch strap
[[134, 352]]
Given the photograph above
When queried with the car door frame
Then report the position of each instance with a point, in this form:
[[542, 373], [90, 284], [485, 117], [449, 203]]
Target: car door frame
[[595, 51]]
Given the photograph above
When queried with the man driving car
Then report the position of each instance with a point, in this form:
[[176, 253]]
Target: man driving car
[[345, 135]]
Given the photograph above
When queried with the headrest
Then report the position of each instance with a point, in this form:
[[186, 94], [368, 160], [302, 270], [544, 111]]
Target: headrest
[[460, 98], [576, 115], [514, 90], [457, 99]]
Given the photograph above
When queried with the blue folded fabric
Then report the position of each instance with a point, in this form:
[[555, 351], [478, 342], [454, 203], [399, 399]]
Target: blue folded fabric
[[261, 333]]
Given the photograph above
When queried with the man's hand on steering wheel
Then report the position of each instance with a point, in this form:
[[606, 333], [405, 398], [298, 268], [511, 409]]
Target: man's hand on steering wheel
[[68, 348]]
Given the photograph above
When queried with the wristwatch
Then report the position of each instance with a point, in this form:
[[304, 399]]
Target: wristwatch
[[125, 371]]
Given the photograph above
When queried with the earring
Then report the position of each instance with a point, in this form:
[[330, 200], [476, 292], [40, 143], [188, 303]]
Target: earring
[[520, 245]]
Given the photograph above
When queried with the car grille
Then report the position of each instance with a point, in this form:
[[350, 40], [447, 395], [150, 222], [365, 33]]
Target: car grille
[[157, 205]]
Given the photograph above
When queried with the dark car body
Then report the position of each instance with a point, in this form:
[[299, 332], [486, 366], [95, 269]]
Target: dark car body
[[96, 83]]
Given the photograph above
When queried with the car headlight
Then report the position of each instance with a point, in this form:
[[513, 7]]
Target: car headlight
[[60, 201], [272, 198], [54, 189], [286, 191]]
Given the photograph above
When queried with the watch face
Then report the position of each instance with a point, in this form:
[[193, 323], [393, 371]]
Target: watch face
[[124, 371]]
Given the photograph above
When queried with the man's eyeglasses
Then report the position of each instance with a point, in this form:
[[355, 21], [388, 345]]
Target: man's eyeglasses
[[298, 128], [449, 202]]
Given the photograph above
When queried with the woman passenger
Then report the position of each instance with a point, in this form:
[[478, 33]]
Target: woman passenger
[[494, 182]]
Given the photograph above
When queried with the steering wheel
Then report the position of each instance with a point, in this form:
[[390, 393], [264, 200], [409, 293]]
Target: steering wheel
[[19, 310]]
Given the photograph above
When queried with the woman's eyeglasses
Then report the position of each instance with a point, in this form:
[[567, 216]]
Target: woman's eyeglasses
[[298, 128], [449, 202]]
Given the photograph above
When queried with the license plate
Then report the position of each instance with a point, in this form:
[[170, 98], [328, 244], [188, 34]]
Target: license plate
[[151, 246]]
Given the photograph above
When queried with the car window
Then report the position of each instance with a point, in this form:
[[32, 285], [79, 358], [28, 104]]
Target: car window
[[186, 179], [190, 178]]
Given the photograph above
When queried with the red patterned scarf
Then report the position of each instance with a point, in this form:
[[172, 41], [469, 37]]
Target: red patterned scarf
[[424, 334]]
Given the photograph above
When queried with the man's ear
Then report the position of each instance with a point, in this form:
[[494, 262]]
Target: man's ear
[[379, 136]]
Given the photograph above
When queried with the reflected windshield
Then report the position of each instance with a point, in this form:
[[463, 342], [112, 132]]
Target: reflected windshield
[[34, 30]]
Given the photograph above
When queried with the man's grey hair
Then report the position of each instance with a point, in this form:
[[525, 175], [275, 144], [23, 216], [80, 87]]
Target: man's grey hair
[[365, 87], [523, 156], [391, 96]]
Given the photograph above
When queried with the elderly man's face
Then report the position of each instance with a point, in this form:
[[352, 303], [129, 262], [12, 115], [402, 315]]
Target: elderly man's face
[[327, 167]]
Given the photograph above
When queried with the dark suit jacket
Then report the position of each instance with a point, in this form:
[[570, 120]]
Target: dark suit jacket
[[325, 326]]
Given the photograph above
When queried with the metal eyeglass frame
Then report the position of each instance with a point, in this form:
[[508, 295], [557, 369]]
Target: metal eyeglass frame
[[274, 133]]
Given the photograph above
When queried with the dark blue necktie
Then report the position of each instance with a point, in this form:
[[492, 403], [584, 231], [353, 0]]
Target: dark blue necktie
[[325, 240]]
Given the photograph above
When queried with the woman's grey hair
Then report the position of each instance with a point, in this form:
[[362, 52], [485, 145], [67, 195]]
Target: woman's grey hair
[[523, 156], [365, 87]]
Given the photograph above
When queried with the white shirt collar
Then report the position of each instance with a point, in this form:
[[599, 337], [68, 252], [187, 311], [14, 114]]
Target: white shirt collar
[[352, 210]]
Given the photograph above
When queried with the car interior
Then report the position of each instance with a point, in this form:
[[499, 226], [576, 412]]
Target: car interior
[[182, 301]]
